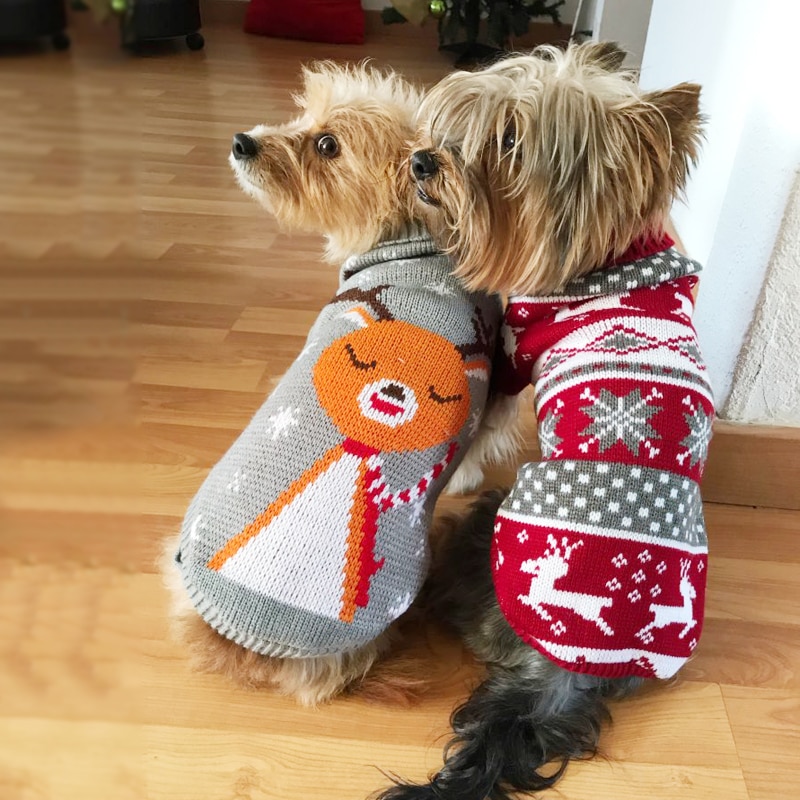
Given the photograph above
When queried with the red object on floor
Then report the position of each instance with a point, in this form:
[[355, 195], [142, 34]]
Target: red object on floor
[[334, 21]]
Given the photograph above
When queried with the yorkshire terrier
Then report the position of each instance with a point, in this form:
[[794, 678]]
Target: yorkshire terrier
[[549, 177], [309, 538]]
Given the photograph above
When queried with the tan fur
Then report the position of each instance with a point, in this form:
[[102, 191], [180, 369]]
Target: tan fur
[[353, 200], [596, 164]]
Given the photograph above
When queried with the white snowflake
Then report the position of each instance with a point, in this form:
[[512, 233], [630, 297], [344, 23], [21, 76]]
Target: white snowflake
[[639, 576], [279, 424], [549, 440], [558, 627], [197, 525], [634, 596], [619, 419], [522, 537], [474, 423], [307, 349], [655, 591], [500, 559], [619, 561], [613, 585], [696, 441], [239, 479], [415, 509], [645, 556], [400, 605], [443, 289], [661, 568]]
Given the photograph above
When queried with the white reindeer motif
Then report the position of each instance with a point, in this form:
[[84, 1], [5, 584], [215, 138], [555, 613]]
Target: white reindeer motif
[[672, 615], [546, 570]]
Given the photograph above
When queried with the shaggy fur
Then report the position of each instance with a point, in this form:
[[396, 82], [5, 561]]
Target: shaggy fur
[[353, 199], [550, 162], [533, 172]]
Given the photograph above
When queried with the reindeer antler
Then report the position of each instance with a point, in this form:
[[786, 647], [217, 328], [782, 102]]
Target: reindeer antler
[[483, 337], [369, 296], [685, 564]]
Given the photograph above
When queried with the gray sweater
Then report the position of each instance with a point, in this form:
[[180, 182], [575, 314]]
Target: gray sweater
[[309, 537]]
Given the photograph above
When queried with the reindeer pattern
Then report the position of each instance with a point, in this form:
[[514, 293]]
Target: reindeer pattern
[[545, 571], [391, 388]]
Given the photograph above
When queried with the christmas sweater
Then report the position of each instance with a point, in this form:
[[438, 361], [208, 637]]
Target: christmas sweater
[[309, 537], [599, 553]]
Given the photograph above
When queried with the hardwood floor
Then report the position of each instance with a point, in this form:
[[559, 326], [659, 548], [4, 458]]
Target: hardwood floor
[[145, 305]]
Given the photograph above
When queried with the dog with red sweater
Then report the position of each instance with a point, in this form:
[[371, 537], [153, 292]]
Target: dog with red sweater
[[549, 177]]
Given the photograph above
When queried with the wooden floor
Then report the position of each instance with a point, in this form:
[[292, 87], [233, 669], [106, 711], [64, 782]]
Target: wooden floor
[[145, 304]]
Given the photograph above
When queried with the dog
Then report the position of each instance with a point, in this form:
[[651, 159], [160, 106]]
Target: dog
[[309, 538], [549, 177]]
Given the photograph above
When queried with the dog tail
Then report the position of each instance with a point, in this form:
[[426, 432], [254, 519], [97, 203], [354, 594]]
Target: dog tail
[[517, 734]]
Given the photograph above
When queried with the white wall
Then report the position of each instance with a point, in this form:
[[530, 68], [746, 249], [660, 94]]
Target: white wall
[[766, 385], [737, 196]]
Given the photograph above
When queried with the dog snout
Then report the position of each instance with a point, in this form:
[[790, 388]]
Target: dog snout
[[424, 165], [244, 147]]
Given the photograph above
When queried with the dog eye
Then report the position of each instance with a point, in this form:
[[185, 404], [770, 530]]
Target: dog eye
[[327, 146], [437, 398], [509, 138], [356, 363]]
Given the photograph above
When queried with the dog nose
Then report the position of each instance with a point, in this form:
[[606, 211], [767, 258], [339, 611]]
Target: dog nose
[[423, 165], [244, 147], [394, 391]]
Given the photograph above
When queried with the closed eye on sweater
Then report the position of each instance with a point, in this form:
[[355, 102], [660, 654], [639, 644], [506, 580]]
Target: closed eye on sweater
[[437, 398], [354, 359]]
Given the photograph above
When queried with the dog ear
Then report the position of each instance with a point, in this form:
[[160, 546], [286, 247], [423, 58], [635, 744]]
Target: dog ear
[[680, 108], [607, 55]]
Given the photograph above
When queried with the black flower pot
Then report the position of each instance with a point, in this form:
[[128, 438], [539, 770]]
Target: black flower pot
[[150, 20]]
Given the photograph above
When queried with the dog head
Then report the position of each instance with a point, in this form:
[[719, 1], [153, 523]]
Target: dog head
[[333, 169], [536, 169]]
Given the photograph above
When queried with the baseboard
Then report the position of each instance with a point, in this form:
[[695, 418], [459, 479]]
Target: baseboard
[[748, 465]]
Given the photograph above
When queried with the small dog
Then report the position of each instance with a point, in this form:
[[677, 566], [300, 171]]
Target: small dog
[[308, 539], [550, 178]]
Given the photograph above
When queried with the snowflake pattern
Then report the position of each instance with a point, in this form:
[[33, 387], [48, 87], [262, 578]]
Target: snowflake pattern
[[279, 424], [558, 627], [474, 423], [309, 348], [549, 440], [613, 585], [522, 536], [443, 289], [634, 596], [400, 605], [696, 441], [619, 561], [238, 480], [619, 419]]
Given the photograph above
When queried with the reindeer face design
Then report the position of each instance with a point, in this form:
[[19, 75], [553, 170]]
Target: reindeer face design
[[394, 386]]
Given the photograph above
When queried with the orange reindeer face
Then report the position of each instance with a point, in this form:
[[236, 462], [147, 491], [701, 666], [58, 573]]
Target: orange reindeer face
[[393, 386]]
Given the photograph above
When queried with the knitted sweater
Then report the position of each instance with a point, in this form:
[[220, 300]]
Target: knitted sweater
[[309, 537], [599, 552]]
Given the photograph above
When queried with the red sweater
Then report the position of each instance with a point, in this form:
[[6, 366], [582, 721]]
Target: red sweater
[[600, 552]]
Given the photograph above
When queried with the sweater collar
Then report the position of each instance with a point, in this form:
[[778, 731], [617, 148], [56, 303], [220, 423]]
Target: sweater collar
[[414, 242], [649, 262]]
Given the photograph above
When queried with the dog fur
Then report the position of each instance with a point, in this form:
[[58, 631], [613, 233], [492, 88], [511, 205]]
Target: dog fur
[[354, 200], [541, 167]]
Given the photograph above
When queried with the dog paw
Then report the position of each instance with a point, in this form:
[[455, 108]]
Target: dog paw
[[467, 478]]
